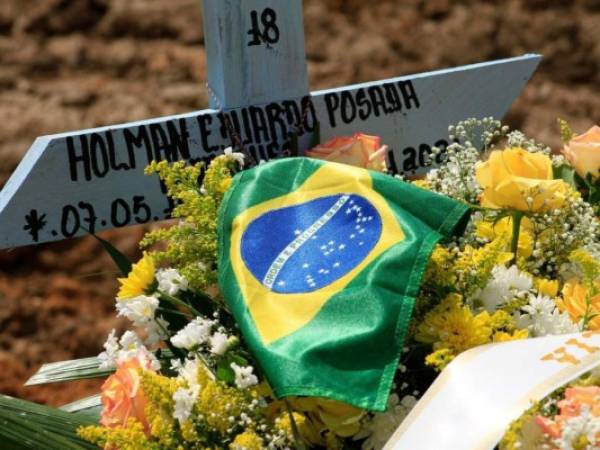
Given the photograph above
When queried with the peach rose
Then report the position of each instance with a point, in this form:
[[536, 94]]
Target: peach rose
[[570, 407], [359, 150], [583, 153], [122, 394]]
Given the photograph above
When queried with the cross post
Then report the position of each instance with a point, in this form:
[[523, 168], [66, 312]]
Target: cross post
[[94, 179], [255, 50]]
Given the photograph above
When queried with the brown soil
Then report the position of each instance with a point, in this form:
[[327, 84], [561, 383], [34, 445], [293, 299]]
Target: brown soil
[[72, 64]]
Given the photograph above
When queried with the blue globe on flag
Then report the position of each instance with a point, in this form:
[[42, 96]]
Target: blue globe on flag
[[306, 247]]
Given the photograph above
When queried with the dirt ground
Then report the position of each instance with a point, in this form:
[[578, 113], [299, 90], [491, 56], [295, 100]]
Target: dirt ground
[[72, 64]]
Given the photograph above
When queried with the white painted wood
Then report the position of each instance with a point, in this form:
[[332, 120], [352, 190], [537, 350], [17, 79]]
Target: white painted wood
[[58, 186], [255, 51], [472, 402]]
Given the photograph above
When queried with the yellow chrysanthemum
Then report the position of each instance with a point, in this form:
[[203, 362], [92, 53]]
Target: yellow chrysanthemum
[[546, 287], [248, 440], [139, 280], [452, 325], [501, 320], [440, 358], [502, 336]]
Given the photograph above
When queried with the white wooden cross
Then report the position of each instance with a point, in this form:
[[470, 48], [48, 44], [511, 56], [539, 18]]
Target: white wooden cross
[[93, 179]]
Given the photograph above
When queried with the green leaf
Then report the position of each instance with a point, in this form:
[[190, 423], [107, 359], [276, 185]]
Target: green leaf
[[224, 372], [119, 258], [90, 407], [26, 425], [567, 174], [239, 360], [79, 369], [589, 179], [594, 197], [76, 369]]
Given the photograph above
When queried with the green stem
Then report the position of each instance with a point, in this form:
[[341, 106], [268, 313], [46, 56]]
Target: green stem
[[162, 328], [297, 438], [516, 222], [178, 302], [211, 371], [587, 316], [173, 311]]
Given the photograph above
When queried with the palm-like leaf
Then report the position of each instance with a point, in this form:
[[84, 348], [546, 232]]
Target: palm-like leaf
[[25, 425], [76, 369], [90, 407]]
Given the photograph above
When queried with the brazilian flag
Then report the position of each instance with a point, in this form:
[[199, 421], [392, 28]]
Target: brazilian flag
[[320, 263]]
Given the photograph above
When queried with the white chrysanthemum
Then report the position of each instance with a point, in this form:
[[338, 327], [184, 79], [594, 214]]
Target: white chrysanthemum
[[193, 334], [541, 317], [170, 281], [130, 341], [188, 372], [140, 310], [108, 358], [219, 343], [156, 330], [238, 157], [503, 286], [129, 346], [244, 376], [176, 365], [184, 400], [583, 425], [380, 428]]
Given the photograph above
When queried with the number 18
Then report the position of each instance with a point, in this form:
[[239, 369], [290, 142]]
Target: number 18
[[270, 33]]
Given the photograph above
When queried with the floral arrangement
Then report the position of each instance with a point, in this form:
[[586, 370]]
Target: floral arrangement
[[526, 266], [569, 418]]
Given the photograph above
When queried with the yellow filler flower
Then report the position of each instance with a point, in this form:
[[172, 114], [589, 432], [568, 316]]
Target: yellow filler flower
[[138, 280]]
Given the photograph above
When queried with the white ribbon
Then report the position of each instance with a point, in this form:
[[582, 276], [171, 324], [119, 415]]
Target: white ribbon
[[474, 400]]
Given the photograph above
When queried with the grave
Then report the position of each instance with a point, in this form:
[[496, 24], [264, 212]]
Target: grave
[[86, 181]]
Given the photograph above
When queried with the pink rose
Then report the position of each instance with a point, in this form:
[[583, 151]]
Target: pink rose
[[359, 150]]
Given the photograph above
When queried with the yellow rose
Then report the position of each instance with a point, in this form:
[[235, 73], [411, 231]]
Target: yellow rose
[[575, 303], [359, 150], [517, 179], [583, 152]]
